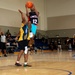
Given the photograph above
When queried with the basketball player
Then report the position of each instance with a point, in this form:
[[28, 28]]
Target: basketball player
[[33, 18], [23, 41]]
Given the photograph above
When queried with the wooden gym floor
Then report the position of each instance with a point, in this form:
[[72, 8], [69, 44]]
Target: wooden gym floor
[[43, 63]]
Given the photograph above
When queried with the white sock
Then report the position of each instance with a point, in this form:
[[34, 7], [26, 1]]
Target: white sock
[[25, 63], [17, 61], [26, 50]]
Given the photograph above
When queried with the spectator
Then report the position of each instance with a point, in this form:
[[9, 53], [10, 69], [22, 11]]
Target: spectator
[[59, 45], [0, 42], [9, 39], [74, 41], [69, 43], [3, 44], [7, 33], [52, 44]]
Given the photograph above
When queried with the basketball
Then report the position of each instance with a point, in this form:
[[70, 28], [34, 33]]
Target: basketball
[[29, 4]]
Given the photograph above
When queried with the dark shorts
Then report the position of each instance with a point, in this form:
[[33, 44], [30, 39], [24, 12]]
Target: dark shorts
[[0, 45], [3, 46], [22, 44]]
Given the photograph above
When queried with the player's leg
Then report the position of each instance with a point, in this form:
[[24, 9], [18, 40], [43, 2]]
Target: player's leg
[[26, 54], [33, 29], [4, 49], [20, 44]]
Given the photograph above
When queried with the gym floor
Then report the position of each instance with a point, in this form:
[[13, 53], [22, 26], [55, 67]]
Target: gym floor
[[43, 63]]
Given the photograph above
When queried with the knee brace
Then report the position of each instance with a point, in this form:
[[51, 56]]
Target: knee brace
[[26, 50]]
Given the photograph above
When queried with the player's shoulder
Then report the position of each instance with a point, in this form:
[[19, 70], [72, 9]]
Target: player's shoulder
[[31, 12]]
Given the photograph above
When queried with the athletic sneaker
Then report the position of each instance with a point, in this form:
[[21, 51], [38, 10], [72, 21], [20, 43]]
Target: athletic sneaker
[[5, 55], [27, 65], [18, 64]]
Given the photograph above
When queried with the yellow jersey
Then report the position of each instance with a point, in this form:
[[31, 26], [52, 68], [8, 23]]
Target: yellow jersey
[[24, 33]]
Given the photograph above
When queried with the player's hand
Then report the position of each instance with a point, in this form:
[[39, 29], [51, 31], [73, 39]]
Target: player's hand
[[33, 6], [16, 38], [26, 6], [20, 11]]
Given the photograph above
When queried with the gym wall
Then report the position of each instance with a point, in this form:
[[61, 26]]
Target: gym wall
[[60, 18], [14, 5]]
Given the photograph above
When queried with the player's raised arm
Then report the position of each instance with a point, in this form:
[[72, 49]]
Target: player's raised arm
[[27, 13], [37, 13]]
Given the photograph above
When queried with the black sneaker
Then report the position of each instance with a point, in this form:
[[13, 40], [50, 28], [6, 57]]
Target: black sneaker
[[5, 55], [18, 64], [27, 65]]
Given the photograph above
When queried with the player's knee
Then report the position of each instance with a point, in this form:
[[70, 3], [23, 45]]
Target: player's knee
[[26, 50]]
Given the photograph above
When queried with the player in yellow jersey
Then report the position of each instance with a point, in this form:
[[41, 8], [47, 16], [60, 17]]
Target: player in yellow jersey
[[23, 41]]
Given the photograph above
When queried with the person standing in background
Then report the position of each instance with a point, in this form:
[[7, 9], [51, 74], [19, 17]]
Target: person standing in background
[[3, 44], [0, 43], [69, 43], [74, 41]]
